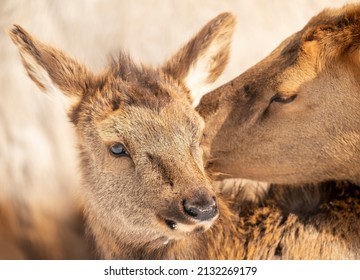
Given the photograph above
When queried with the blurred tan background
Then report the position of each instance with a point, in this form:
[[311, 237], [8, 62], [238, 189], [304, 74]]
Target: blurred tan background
[[38, 166]]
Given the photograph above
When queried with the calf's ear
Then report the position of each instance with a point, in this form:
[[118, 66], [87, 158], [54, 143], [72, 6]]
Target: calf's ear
[[49, 68], [202, 60]]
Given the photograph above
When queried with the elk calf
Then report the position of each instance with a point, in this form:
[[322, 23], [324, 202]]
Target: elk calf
[[144, 183]]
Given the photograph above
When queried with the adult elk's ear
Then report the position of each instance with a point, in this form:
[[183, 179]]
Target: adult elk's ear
[[50, 68], [202, 60]]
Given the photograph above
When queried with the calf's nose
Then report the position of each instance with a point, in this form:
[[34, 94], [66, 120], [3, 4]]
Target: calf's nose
[[201, 208]]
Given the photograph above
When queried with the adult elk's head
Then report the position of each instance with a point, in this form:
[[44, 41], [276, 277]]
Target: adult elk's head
[[295, 116]]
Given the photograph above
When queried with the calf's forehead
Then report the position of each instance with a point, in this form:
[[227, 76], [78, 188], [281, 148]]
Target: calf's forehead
[[174, 124]]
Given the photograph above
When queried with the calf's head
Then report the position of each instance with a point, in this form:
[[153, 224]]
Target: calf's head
[[295, 116], [138, 133]]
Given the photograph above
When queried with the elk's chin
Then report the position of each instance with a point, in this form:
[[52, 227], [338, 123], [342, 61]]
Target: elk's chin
[[180, 230], [195, 228]]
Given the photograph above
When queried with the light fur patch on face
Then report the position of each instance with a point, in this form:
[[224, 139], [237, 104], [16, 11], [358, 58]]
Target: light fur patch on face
[[205, 225], [305, 70]]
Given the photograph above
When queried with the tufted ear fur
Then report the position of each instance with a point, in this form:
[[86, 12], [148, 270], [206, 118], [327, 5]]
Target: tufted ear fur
[[50, 68], [332, 33], [202, 60]]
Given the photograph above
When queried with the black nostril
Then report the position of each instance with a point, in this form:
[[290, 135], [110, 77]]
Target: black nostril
[[171, 224], [201, 211]]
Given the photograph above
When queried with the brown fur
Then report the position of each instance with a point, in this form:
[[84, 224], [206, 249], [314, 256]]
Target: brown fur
[[322, 225], [313, 138], [120, 206], [312, 222], [137, 198]]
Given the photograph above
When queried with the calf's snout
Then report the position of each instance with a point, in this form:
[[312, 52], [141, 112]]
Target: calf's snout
[[201, 206]]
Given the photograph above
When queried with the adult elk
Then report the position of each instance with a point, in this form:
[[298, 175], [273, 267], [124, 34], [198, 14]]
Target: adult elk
[[294, 117]]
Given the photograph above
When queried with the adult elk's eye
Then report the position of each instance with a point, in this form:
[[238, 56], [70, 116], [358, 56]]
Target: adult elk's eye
[[118, 150], [283, 99]]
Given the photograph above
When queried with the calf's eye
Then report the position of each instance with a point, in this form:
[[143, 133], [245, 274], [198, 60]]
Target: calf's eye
[[118, 150]]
